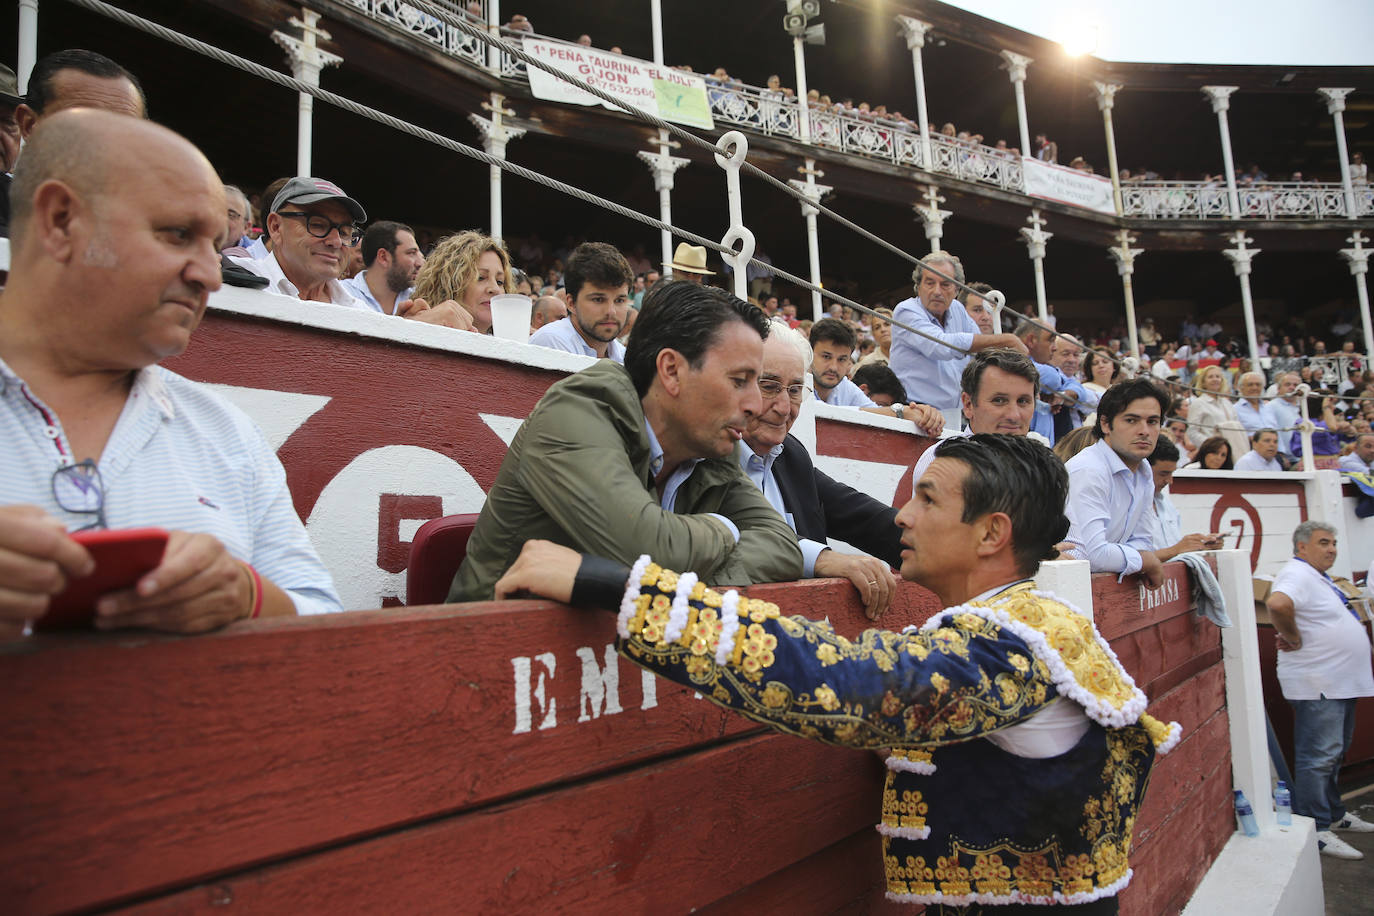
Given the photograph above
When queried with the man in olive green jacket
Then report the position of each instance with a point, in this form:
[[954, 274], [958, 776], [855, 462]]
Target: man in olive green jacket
[[622, 460]]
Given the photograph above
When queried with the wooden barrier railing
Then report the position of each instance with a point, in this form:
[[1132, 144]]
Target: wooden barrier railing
[[486, 757]]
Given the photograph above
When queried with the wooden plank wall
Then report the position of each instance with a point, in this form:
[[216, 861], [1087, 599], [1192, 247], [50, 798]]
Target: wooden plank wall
[[478, 758]]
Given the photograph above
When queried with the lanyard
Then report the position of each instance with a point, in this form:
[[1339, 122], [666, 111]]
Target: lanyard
[[1335, 588]]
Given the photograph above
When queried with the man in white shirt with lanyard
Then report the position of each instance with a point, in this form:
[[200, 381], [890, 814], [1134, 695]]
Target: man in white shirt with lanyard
[[1323, 667], [115, 253]]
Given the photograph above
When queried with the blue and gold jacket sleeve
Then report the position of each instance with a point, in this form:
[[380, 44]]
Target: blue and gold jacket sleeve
[[959, 680]]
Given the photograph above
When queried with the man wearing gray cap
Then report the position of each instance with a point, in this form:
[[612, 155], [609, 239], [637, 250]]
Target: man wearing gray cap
[[313, 223]]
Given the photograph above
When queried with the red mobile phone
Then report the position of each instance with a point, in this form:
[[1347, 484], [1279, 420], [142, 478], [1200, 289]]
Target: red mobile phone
[[122, 557]]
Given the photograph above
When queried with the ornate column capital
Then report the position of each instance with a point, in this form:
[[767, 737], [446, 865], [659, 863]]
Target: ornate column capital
[[304, 55], [662, 165], [1015, 65], [1035, 235], [1106, 94], [914, 31], [1357, 257], [1220, 97], [1240, 256], [1335, 98], [494, 130], [812, 192]]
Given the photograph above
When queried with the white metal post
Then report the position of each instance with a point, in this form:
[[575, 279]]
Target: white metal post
[[803, 108], [662, 165], [1035, 238], [495, 134], [1220, 97], [932, 216], [656, 15], [1015, 65], [28, 42], [731, 151], [307, 60], [1240, 258], [914, 30], [1358, 256], [813, 193], [494, 28], [1335, 105], [1124, 256], [1106, 94]]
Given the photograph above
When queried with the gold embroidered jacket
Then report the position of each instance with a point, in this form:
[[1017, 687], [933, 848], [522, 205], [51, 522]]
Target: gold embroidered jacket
[[963, 820]]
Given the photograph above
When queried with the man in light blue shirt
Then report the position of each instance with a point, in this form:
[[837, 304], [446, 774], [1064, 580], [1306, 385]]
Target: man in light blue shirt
[[1039, 343], [930, 368], [1250, 407], [1282, 413], [597, 280], [393, 260], [1111, 487], [1360, 461], [832, 343]]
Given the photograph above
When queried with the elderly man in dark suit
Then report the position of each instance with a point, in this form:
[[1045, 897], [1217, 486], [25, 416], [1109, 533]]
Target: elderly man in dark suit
[[814, 505]]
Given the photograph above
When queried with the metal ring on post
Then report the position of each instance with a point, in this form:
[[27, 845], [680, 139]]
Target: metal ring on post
[[738, 146], [997, 300], [741, 257]]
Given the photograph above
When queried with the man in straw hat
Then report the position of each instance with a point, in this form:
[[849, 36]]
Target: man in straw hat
[[689, 263]]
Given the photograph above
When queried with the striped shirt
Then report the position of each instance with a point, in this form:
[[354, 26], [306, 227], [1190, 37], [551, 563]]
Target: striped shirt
[[182, 458]]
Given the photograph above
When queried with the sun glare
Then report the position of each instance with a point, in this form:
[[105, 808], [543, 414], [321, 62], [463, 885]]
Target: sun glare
[[1080, 37]]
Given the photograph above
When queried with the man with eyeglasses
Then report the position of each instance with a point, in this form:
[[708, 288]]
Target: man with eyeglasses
[[313, 224], [832, 345], [814, 505], [115, 252]]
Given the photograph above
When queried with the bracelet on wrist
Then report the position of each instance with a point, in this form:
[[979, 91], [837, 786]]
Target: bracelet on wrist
[[255, 589]]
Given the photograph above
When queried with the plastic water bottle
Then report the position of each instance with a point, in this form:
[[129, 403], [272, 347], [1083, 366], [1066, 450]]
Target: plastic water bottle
[[1245, 814], [1283, 805]]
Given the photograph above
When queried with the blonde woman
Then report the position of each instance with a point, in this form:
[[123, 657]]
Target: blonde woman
[[467, 269], [1211, 412]]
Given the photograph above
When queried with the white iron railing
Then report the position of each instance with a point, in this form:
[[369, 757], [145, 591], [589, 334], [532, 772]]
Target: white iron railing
[[1207, 200], [772, 113]]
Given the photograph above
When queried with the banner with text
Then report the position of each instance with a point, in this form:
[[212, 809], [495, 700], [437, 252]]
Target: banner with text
[[1068, 186], [670, 94]]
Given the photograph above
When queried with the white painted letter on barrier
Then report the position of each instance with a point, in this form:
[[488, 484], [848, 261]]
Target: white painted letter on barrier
[[599, 687], [547, 704]]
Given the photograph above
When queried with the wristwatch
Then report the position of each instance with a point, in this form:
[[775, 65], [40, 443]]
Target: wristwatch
[[899, 411]]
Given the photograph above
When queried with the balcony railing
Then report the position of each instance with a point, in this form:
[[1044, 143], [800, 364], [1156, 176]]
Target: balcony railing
[[772, 113], [1208, 200]]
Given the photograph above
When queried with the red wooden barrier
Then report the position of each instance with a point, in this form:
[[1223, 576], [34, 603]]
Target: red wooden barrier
[[480, 758]]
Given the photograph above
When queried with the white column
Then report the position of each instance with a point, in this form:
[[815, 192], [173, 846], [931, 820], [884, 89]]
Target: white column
[[495, 134], [494, 27], [1035, 238], [1220, 97], [1124, 256], [307, 60], [1015, 65], [1358, 256], [1240, 258], [1335, 105], [656, 17], [28, 42], [932, 216], [804, 109], [662, 165], [1106, 94], [914, 31], [813, 193]]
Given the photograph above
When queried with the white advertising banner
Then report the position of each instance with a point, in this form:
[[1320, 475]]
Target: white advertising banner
[[670, 94], [1068, 186]]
